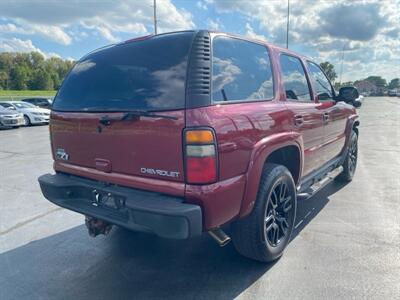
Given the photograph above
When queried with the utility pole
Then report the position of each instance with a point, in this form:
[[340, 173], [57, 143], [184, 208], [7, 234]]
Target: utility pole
[[155, 16], [341, 66], [287, 26]]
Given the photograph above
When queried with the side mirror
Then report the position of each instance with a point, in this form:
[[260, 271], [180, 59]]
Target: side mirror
[[356, 103], [348, 94]]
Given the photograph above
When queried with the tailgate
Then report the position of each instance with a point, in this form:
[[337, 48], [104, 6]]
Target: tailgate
[[143, 146]]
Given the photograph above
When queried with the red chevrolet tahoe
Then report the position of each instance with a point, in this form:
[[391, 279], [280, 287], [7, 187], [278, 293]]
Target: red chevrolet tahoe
[[181, 133]]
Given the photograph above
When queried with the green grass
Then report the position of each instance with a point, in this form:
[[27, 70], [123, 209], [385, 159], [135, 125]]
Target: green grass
[[26, 93], [6, 95]]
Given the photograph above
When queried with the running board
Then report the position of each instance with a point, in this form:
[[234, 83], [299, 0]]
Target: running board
[[317, 186]]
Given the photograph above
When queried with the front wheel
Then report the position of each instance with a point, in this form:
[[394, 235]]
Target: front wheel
[[264, 234], [27, 121], [350, 163]]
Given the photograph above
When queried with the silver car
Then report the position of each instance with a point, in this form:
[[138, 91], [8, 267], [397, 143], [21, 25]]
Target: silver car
[[10, 119], [32, 114]]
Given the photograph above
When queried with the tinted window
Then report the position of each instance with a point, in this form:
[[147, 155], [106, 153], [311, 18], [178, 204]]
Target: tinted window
[[23, 105], [5, 105], [320, 82], [241, 71], [294, 79], [139, 75]]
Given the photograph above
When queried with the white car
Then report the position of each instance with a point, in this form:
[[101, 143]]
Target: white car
[[32, 114], [10, 118]]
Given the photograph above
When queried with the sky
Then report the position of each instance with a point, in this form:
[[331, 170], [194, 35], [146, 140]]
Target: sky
[[366, 33]]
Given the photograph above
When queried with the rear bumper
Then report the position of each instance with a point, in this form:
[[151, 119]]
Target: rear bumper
[[166, 216]]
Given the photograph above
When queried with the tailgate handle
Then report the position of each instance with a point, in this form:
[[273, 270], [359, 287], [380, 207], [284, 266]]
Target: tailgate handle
[[103, 165]]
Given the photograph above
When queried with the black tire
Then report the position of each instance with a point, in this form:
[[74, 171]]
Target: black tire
[[250, 235], [27, 121], [350, 163]]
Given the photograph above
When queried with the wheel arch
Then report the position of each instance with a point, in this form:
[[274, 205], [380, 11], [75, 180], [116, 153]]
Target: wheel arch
[[352, 125], [355, 125], [29, 119], [288, 156], [272, 149]]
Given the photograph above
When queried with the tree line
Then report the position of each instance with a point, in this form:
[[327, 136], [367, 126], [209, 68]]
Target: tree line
[[378, 81], [32, 71]]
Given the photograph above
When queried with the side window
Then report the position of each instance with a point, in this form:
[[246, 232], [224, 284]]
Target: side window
[[294, 79], [241, 71], [320, 83]]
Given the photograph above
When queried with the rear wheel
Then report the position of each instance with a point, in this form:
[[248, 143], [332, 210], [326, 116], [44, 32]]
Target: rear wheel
[[350, 163], [27, 121], [264, 234]]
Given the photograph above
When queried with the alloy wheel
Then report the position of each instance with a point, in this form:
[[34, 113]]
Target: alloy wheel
[[352, 157], [277, 214], [27, 122]]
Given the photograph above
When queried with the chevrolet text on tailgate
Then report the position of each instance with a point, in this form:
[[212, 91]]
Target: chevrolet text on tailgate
[[181, 133]]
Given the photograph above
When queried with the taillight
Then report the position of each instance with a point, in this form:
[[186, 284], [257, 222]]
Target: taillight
[[201, 156]]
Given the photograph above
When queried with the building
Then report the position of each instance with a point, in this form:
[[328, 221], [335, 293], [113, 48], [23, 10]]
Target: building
[[365, 86]]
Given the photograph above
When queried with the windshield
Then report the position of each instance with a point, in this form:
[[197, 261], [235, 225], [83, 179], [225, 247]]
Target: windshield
[[6, 105], [139, 75], [24, 105]]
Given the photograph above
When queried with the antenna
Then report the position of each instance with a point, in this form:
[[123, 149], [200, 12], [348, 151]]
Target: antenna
[[287, 26], [341, 66], [155, 16]]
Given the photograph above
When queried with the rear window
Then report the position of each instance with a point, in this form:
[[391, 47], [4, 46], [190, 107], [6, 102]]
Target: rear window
[[139, 75]]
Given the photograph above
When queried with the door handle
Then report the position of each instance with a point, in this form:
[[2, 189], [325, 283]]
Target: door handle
[[298, 120], [227, 147], [325, 117]]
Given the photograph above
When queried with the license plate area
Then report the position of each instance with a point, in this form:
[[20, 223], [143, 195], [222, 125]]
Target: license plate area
[[108, 200]]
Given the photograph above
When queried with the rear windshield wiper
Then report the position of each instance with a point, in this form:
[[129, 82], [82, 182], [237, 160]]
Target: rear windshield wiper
[[131, 115]]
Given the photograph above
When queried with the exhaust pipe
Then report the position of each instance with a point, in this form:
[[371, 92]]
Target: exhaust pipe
[[219, 236]]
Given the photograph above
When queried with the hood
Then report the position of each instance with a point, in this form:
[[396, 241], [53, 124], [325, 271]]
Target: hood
[[6, 112], [34, 109]]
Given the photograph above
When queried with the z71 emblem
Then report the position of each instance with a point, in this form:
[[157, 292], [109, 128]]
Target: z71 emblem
[[61, 154]]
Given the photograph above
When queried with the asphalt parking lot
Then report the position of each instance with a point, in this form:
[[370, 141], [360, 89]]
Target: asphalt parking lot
[[346, 243]]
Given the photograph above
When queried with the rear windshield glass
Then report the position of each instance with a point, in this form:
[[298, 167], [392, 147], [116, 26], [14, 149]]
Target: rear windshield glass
[[139, 75]]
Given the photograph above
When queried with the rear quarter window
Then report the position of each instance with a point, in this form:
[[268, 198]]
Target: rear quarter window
[[141, 75], [241, 71]]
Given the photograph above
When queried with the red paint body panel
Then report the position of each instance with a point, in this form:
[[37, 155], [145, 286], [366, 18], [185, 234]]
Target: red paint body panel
[[220, 202], [138, 182], [127, 146]]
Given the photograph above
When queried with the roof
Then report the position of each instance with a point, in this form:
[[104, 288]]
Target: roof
[[233, 35]]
